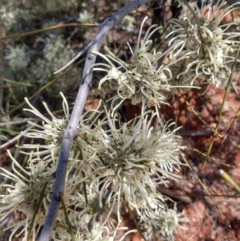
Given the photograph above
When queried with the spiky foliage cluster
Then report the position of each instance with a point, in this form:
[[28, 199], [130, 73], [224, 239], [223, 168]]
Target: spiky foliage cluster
[[203, 47], [142, 80], [17, 57], [112, 164]]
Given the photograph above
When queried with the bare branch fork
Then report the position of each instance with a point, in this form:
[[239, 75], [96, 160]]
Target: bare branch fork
[[81, 98]]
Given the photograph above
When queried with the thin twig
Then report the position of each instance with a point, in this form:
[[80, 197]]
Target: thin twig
[[1, 97], [133, 218], [37, 209], [5, 222], [20, 121], [13, 140], [221, 108], [81, 98], [61, 25], [44, 87], [66, 217], [75, 59]]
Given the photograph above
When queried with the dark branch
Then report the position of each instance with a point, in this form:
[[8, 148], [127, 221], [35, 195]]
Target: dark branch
[[71, 129]]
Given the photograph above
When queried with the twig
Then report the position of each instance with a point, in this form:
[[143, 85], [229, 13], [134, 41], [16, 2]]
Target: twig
[[1, 97], [37, 209], [66, 217], [6, 221], [43, 88], [75, 59], [229, 180], [215, 133], [20, 121], [61, 25], [81, 98], [173, 194], [13, 140]]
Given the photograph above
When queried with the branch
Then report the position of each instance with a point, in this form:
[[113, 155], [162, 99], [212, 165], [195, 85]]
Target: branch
[[14, 139], [71, 129], [75, 59]]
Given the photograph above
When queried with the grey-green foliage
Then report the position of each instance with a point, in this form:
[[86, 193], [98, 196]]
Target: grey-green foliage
[[12, 14], [32, 60], [56, 54], [17, 56], [53, 5]]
